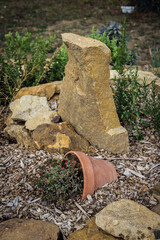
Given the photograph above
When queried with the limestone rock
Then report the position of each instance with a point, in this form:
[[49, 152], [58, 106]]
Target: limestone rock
[[155, 190], [91, 232], [129, 220], [148, 76], [58, 137], [156, 209], [30, 229], [21, 135], [32, 110], [43, 90], [86, 100]]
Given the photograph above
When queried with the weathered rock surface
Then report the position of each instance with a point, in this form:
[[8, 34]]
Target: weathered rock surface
[[21, 135], [148, 76], [32, 110], [58, 137], [155, 190], [43, 90], [129, 220], [91, 232], [156, 209], [86, 98], [30, 229]]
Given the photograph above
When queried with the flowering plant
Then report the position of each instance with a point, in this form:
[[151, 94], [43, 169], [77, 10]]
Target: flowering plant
[[61, 180]]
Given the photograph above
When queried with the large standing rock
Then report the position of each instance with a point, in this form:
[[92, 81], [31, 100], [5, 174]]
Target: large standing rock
[[58, 138], [129, 220], [30, 229], [86, 98], [32, 110], [43, 90]]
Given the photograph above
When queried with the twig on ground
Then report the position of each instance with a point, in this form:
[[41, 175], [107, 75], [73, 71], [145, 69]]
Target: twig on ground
[[80, 208], [157, 165]]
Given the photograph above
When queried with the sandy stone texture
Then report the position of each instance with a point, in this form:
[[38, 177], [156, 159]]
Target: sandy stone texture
[[86, 99]]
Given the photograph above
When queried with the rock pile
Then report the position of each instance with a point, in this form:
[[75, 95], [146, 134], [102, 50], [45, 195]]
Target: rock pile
[[35, 123]]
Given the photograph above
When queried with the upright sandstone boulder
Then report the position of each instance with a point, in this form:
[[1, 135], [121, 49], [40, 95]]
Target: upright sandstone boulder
[[86, 98]]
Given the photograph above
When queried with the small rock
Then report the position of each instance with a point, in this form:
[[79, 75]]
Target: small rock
[[156, 209], [43, 90], [32, 110], [58, 137], [90, 232], [129, 220], [30, 229]]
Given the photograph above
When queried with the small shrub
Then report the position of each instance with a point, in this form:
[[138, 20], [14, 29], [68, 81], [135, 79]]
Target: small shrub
[[25, 63], [152, 108], [113, 31], [137, 104], [155, 58], [62, 180], [56, 72], [127, 96]]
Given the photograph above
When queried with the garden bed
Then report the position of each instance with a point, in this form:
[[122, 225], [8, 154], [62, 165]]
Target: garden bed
[[137, 171]]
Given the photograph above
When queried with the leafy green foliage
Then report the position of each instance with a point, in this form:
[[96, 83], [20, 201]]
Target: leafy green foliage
[[155, 56], [113, 31], [136, 103], [152, 108], [61, 180], [56, 72], [25, 63]]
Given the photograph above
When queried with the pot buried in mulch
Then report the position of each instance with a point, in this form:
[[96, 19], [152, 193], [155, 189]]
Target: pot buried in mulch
[[96, 172]]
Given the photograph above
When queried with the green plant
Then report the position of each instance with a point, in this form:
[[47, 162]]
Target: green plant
[[152, 108], [127, 96], [155, 56], [25, 63], [113, 31], [61, 180], [56, 72], [137, 105]]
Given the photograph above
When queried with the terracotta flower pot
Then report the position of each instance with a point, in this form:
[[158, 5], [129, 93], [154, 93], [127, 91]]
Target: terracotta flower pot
[[96, 172]]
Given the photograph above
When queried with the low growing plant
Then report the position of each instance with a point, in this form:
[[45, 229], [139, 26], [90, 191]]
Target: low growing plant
[[25, 63], [61, 180]]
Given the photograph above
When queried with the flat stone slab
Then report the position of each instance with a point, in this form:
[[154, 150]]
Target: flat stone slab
[[129, 220], [43, 90]]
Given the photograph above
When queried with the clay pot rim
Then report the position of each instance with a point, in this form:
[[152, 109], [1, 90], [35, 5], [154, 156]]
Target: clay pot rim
[[88, 172]]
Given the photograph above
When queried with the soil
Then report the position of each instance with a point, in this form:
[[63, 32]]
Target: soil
[[56, 17]]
